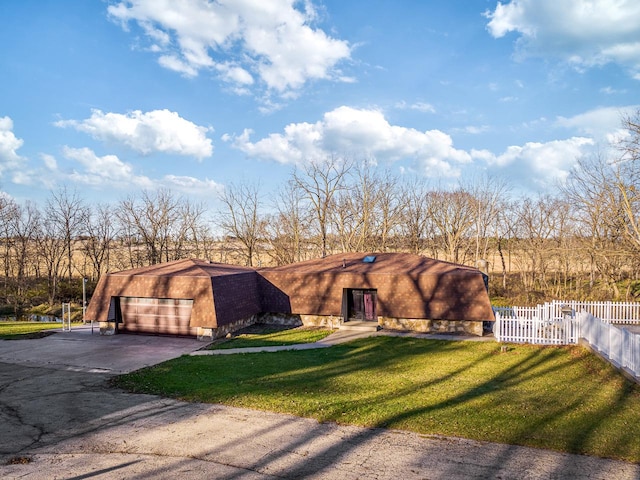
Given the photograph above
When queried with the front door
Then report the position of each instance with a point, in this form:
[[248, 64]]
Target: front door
[[362, 305]]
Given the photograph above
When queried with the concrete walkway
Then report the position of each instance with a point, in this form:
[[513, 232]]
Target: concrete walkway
[[342, 336]]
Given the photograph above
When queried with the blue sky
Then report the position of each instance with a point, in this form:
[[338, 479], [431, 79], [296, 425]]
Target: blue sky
[[111, 97]]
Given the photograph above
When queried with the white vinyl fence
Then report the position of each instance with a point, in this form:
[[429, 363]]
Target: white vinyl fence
[[557, 323], [611, 312], [619, 345], [561, 331]]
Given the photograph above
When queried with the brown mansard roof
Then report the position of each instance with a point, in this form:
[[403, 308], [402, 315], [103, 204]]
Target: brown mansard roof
[[385, 263], [186, 268]]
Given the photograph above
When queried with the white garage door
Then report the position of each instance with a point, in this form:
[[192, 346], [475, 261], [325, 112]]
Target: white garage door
[[156, 315]]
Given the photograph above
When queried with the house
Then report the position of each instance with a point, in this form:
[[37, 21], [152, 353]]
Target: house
[[393, 290]]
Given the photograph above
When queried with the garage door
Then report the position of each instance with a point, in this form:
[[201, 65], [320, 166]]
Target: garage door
[[156, 315]]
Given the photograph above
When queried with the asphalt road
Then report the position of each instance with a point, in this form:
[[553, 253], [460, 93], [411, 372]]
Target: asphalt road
[[64, 421]]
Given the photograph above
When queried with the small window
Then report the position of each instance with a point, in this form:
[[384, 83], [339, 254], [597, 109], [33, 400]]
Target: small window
[[369, 259]]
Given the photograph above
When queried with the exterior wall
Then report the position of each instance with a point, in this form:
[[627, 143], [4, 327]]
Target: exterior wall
[[450, 296], [198, 289], [235, 297], [217, 301]]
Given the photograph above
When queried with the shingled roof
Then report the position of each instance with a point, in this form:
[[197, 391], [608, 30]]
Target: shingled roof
[[188, 267], [384, 263]]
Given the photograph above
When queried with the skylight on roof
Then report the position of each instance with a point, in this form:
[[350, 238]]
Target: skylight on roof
[[369, 259]]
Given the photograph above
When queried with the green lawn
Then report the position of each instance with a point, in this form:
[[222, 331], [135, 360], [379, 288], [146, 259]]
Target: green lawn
[[21, 330], [274, 337], [561, 398]]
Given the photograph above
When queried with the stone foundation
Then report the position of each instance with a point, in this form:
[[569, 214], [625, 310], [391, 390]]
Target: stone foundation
[[107, 328], [389, 323], [432, 326], [329, 321], [293, 320], [208, 334]]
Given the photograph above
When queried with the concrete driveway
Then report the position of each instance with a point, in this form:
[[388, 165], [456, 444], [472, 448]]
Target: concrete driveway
[[60, 418], [82, 351]]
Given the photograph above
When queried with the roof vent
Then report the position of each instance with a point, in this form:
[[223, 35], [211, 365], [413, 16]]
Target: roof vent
[[369, 259]]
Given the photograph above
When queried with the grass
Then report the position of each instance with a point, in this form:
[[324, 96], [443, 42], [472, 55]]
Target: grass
[[268, 336], [561, 398], [25, 330]]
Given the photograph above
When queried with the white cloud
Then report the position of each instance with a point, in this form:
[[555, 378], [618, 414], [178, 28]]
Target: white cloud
[[154, 131], [584, 33], [108, 170], [358, 133], [9, 144], [49, 162], [476, 129], [191, 185], [539, 163], [603, 124], [419, 106], [268, 39], [612, 91]]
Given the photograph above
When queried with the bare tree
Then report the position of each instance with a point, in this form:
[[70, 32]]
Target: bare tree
[[320, 182], [287, 231], [453, 214], [190, 230], [490, 195], [24, 229], [151, 219], [346, 220], [415, 215], [52, 247], [241, 218], [9, 212], [539, 222], [388, 212], [627, 178], [67, 212], [101, 232]]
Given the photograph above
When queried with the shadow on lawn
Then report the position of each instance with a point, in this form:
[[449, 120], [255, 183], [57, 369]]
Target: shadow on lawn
[[323, 371], [486, 464]]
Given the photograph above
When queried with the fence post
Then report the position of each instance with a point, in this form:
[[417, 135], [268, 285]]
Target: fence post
[[66, 314]]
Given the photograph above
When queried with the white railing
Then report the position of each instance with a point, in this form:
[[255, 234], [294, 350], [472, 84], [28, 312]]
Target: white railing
[[561, 331], [554, 323], [626, 313], [619, 345]]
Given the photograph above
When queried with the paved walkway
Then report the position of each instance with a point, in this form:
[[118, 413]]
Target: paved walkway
[[342, 336]]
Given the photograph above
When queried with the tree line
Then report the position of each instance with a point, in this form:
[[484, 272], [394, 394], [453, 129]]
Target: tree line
[[582, 241]]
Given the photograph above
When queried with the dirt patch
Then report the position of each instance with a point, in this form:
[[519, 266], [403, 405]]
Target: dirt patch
[[18, 461]]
